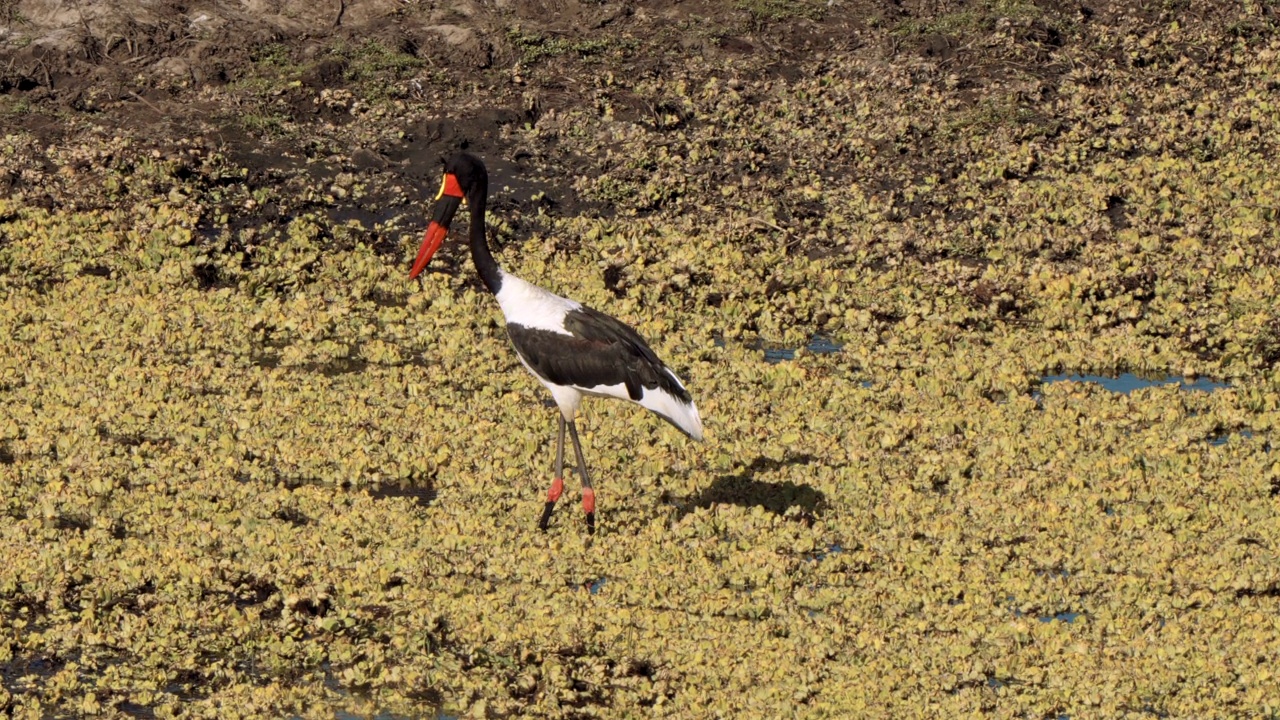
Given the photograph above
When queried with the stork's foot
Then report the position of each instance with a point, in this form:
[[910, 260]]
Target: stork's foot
[[589, 507], [553, 494]]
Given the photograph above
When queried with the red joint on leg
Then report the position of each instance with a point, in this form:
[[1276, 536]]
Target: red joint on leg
[[557, 487], [588, 500]]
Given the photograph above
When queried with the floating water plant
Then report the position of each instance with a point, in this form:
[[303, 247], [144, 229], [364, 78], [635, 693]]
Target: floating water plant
[[246, 467]]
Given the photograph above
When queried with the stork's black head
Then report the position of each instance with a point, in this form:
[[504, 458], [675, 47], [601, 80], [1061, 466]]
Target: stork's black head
[[468, 170], [464, 175]]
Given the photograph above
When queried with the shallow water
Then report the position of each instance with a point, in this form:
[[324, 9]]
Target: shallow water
[[1224, 437], [818, 345], [1128, 382], [344, 715], [1066, 617], [832, 549]]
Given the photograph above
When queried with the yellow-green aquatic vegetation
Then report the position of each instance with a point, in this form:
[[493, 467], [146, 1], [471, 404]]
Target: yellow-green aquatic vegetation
[[311, 484]]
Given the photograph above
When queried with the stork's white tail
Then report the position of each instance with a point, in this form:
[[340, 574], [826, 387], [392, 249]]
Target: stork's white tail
[[683, 415]]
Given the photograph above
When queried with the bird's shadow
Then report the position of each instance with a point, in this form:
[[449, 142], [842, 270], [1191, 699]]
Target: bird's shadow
[[744, 489]]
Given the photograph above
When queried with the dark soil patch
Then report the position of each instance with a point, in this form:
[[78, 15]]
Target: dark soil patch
[[301, 95]]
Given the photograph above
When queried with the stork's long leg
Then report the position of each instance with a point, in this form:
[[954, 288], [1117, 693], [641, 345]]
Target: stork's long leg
[[557, 485], [588, 493]]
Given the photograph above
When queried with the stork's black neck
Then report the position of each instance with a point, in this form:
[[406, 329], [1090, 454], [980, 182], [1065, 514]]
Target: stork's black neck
[[486, 266]]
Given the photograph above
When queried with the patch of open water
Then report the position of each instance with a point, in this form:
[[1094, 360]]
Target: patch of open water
[[1128, 382], [344, 715], [819, 344]]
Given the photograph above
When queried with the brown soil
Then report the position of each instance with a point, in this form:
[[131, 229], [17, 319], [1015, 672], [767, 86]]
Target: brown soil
[[274, 108], [171, 70], [270, 84]]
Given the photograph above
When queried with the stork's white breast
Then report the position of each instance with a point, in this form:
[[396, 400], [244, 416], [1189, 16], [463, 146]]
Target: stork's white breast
[[524, 303]]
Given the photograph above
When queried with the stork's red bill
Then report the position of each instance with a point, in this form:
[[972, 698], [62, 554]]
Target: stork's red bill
[[447, 202]]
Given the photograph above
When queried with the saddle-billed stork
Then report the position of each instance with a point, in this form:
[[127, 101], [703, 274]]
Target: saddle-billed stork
[[572, 349]]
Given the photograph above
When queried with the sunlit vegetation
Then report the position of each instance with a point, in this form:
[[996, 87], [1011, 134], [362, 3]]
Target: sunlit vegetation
[[251, 469]]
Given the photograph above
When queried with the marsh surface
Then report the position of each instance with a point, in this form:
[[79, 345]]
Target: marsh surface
[[244, 463]]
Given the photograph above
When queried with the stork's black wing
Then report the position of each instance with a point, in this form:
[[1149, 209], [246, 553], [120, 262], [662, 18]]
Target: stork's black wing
[[599, 351]]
